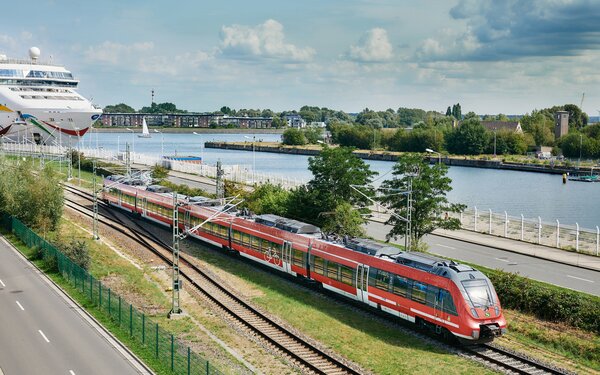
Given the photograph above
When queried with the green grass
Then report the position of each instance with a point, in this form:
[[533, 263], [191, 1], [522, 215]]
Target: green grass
[[370, 343]]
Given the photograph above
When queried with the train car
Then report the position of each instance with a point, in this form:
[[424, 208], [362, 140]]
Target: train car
[[443, 296]]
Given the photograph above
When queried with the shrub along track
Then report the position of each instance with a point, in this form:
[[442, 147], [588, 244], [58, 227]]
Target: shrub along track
[[489, 354], [303, 354]]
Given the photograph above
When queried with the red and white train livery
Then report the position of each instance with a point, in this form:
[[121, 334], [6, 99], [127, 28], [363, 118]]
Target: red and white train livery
[[431, 292]]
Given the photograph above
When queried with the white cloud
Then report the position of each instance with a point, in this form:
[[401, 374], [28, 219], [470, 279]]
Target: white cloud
[[266, 40], [374, 46]]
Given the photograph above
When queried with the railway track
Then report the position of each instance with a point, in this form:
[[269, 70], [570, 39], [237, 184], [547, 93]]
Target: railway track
[[513, 363], [496, 357], [302, 353]]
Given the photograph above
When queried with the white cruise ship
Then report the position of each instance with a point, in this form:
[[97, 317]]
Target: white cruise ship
[[39, 102]]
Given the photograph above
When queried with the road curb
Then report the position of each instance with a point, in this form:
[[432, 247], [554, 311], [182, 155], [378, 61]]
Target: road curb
[[514, 251], [138, 362]]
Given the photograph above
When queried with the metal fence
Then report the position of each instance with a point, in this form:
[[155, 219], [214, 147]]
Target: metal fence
[[553, 234], [169, 351], [237, 173]]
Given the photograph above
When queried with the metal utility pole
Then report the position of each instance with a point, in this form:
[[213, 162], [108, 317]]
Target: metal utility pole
[[95, 220], [220, 182], [127, 159], [175, 306], [69, 165], [408, 236]]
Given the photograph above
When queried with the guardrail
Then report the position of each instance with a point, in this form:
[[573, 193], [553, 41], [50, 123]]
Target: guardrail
[[552, 234], [169, 351]]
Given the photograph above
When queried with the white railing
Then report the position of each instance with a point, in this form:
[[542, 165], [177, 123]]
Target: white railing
[[236, 173], [533, 230]]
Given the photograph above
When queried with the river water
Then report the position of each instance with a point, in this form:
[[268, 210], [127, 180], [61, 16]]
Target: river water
[[527, 193]]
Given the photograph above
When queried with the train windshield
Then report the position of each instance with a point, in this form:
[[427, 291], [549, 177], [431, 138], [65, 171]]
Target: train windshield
[[479, 293]]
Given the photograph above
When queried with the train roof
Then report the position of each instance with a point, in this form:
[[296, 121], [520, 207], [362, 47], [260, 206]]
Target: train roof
[[290, 225], [370, 247]]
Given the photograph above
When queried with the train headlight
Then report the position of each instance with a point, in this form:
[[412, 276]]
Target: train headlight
[[475, 334], [497, 310], [474, 312]]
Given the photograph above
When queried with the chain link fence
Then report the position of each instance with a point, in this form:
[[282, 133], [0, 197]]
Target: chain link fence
[[553, 234], [169, 351]]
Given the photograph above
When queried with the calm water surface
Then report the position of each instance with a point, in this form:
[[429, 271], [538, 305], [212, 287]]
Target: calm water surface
[[532, 194]]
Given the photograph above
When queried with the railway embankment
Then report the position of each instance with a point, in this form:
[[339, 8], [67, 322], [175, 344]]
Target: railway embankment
[[460, 161]]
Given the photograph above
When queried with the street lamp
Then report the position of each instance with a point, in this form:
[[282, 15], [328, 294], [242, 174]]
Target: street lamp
[[580, 147], [132, 139], [201, 147], [435, 152], [162, 143], [494, 143], [253, 158]]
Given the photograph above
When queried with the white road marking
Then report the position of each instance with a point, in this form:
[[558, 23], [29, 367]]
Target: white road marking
[[446, 246], [20, 305], [2, 283], [71, 372], [579, 278], [44, 336], [502, 260]]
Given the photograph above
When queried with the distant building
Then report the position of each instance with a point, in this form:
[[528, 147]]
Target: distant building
[[512, 126], [183, 120], [561, 123], [318, 124], [295, 121]]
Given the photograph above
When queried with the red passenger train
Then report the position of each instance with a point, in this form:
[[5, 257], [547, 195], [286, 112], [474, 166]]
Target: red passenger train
[[434, 293]]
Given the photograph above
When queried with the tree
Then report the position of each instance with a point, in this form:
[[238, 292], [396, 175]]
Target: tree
[[470, 138], [430, 204], [268, 199], [449, 111], [225, 110], [313, 135], [35, 199], [118, 108], [457, 111], [334, 171], [294, 137]]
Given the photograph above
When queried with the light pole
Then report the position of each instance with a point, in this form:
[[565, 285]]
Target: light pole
[[494, 143], [253, 158], [162, 143], [201, 147], [435, 152], [580, 147], [132, 139]]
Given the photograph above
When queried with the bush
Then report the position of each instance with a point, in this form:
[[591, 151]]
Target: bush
[[78, 252], [159, 172], [50, 262], [293, 137], [546, 302]]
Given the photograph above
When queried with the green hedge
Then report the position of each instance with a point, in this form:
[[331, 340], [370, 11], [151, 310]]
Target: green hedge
[[546, 301]]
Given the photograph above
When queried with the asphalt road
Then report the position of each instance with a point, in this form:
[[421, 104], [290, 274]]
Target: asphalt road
[[42, 332], [567, 276]]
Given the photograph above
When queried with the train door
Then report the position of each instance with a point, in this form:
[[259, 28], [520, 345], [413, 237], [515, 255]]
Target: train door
[[362, 283], [438, 307], [287, 256], [144, 205], [120, 197]]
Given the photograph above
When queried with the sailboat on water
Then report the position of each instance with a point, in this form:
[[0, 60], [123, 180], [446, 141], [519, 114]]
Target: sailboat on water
[[145, 132]]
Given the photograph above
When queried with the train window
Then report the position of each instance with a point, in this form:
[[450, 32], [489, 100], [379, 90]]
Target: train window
[[400, 285], [372, 276], [299, 258], [256, 243], [245, 239], [317, 265], [237, 237], [419, 291], [332, 270], [348, 275], [383, 280], [432, 293], [446, 303]]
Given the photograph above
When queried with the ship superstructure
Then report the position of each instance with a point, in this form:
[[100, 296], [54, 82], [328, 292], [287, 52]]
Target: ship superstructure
[[39, 102]]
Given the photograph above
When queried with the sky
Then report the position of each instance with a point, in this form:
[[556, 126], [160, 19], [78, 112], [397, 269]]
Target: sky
[[509, 56]]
